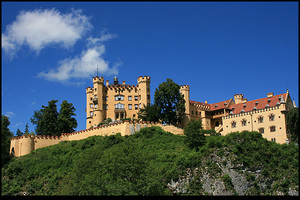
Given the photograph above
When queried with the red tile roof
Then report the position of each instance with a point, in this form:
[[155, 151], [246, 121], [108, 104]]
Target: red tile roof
[[261, 103], [213, 107]]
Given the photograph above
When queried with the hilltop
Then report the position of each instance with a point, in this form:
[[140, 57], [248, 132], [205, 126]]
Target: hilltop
[[155, 162]]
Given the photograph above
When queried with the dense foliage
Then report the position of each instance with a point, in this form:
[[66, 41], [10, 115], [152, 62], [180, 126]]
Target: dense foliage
[[292, 123], [6, 134], [49, 121], [195, 138], [142, 164], [170, 102], [149, 113]]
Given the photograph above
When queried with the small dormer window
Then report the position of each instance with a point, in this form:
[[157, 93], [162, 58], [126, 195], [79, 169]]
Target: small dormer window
[[225, 103], [256, 102], [279, 98], [230, 113], [244, 105], [233, 108], [216, 105], [269, 100], [254, 108], [267, 106], [277, 104], [242, 110]]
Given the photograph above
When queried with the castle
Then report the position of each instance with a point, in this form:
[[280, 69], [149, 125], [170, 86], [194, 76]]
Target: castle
[[121, 101]]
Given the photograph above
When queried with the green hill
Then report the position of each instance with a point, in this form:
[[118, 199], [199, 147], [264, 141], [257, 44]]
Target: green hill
[[155, 162]]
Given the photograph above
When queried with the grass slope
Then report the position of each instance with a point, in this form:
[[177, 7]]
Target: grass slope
[[141, 164]]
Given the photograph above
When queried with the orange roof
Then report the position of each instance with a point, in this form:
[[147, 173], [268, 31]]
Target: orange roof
[[214, 106], [258, 103]]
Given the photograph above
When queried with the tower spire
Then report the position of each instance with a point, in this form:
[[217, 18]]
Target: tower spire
[[97, 69]]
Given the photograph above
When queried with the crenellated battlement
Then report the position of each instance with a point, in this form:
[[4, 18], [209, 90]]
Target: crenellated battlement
[[96, 79], [143, 79], [89, 90], [187, 87], [23, 145]]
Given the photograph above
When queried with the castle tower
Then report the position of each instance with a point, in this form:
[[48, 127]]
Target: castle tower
[[144, 91], [185, 91], [26, 145], [238, 98], [94, 106]]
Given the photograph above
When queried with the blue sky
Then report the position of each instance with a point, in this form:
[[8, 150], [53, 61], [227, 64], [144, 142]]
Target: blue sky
[[50, 50]]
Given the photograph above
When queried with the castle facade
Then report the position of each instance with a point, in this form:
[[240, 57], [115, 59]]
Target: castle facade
[[120, 101], [265, 115], [115, 101]]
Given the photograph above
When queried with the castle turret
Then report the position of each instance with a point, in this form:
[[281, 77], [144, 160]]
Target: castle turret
[[98, 91], [144, 90], [238, 98], [185, 91]]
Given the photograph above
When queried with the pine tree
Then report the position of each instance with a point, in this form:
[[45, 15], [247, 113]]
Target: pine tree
[[19, 132], [26, 129], [6, 134]]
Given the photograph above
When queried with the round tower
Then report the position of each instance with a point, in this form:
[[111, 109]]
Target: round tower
[[144, 90], [185, 91], [26, 145], [98, 92]]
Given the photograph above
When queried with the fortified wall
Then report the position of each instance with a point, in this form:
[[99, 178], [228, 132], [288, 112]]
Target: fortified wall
[[22, 145]]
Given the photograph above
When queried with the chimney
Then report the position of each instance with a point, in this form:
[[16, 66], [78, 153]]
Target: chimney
[[270, 94], [116, 81], [244, 100], [123, 82], [238, 98], [206, 102], [107, 82]]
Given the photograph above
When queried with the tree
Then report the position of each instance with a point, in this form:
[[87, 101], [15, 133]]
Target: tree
[[149, 113], [46, 119], [26, 129], [292, 121], [66, 122], [49, 122], [170, 102], [19, 132], [6, 134], [194, 136]]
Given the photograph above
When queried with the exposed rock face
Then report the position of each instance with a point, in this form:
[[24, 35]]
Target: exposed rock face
[[210, 175]]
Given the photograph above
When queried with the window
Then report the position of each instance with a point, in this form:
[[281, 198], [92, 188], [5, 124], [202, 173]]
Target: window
[[135, 98], [196, 112], [217, 123], [106, 107], [119, 106], [272, 129], [119, 98], [140, 105], [261, 130], [233, 124], [273, 139], [91, 105], [271, 117], [91, 113], [136, 106], [260, 119], [192, 112], [106, 98], [148, 96], [130, 106], [96, 106], [244, 122], [129, 98]]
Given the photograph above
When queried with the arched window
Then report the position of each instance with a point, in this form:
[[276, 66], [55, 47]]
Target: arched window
[[233, 124], [272, 129], [119, 105], [260, 119], [271, 117], [244, 122], [119, 98]]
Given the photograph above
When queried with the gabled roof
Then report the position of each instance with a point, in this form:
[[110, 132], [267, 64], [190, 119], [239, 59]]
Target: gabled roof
[[258, 103], [215, 106]]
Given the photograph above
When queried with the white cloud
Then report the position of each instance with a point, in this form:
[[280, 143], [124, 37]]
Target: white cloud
[[84, 65], [10, 114], [39, 28]]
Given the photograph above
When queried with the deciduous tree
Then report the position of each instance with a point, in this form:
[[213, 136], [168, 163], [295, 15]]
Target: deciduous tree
[[6, 134], [170, 102]]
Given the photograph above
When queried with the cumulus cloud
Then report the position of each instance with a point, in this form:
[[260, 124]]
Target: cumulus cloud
[[84, 65], [39, 28], [10, 114]]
